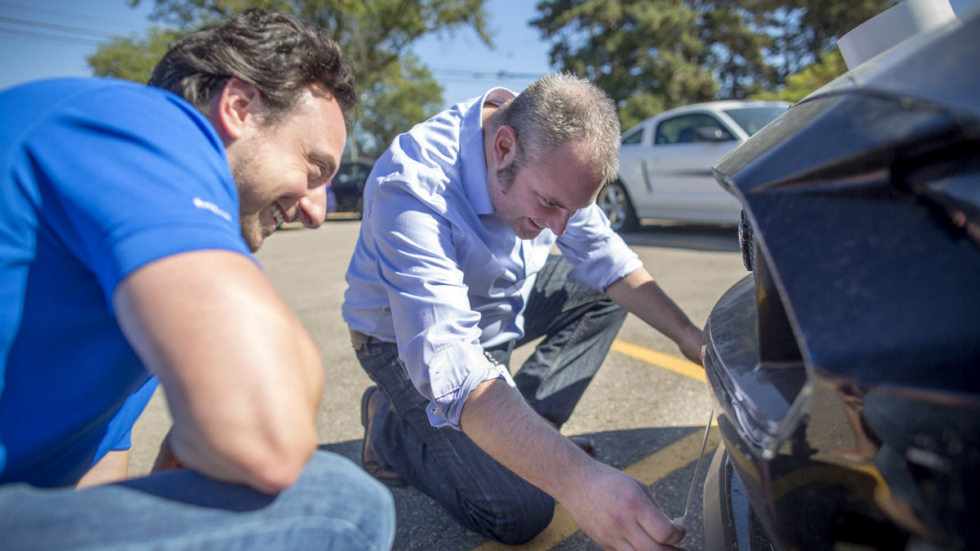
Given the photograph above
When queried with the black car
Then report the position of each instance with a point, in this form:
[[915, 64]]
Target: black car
[[348, 185], [845, 368]]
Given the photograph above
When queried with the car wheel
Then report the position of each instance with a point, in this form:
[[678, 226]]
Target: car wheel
[[616, 205], [359, 207]]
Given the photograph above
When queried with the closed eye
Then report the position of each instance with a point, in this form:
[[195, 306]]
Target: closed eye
[[548, 202], [320, 174]]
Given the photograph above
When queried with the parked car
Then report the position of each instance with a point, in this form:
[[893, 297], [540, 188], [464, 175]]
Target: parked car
[[665, 163], [845, 368], [348, 185]]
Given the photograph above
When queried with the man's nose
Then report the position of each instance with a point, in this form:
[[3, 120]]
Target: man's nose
[[312, 209], [558, 222]]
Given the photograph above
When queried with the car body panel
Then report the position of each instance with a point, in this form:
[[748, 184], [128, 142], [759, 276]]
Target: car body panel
[[348, 184], [665, 163], [844, 367]]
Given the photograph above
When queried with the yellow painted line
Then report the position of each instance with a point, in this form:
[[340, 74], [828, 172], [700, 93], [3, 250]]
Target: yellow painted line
[[649, 470], [666, 361]]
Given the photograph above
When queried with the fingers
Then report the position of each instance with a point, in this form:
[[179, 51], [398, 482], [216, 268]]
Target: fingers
[[166, 460], [655, 523], [626, 517], [640, 539], [659, 528]]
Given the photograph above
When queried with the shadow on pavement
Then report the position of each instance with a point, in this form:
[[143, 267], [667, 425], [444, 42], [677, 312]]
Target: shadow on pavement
[[685, 236]]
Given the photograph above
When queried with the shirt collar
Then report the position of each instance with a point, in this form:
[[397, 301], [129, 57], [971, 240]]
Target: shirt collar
[[471, 150]]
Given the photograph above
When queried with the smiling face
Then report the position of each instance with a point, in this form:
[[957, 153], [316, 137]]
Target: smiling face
[[281, 168], [541, 194]]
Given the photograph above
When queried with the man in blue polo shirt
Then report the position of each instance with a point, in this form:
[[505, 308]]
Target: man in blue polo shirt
[[128, 219], [453, 269]]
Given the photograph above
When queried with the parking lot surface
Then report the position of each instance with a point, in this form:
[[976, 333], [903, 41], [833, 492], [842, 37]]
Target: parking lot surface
[[646, 409]]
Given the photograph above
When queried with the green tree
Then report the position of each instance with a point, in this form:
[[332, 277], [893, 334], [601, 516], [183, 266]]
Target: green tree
[[829, 66], [132, 58], [734, 48], [643, 53], [803, 29], [374, 34], [651, 55], [401, 95]]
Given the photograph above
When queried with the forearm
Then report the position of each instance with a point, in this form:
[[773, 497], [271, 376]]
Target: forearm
[[615, 510], [640, 295], [501, 423]]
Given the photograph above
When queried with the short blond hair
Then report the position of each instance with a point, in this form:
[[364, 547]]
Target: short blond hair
[[560, 109]]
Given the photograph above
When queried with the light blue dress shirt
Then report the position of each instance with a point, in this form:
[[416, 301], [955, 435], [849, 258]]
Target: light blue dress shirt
[[436, 271]]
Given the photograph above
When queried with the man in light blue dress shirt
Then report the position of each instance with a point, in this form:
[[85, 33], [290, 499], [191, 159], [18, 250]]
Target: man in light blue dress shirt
[[453, 269]]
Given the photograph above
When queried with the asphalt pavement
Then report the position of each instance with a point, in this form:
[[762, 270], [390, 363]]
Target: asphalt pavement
[[646, 409]]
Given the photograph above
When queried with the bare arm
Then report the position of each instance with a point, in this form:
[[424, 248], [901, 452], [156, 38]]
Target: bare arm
[[615, 510], [640, 294], [242, 377]]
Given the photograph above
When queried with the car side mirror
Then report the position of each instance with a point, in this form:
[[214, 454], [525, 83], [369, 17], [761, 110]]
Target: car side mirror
[[711, 134]]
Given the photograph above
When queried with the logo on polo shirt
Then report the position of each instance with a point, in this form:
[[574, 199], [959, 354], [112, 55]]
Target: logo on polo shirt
[[208, 205]]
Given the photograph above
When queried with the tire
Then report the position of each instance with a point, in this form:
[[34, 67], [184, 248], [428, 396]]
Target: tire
[[616, 205], [729, 522]]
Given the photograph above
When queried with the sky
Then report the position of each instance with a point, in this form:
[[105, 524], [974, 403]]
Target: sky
[[49, 38]]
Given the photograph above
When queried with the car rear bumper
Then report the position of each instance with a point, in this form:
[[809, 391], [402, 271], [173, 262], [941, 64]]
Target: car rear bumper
[[725, 505]]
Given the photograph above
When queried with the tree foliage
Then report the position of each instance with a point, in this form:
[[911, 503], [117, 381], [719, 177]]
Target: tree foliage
[[403, 94], [641, 52], [374, 34], [651, 55], [132, 58], [803, 29], [829, 66]]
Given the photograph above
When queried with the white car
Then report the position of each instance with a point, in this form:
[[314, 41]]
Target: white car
[[665, 163]]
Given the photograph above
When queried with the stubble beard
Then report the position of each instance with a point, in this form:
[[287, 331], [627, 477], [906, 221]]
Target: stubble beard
[[249, 223]]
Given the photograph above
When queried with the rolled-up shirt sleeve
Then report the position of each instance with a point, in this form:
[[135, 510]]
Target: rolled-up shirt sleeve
[[598, 255], [438, 332]]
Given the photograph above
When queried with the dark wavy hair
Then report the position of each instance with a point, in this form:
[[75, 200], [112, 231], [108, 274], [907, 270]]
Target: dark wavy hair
[[272, 51]]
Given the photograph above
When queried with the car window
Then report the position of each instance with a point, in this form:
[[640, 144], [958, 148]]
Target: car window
[[684, 129], [634, 138], [348, 173], [752, 119]]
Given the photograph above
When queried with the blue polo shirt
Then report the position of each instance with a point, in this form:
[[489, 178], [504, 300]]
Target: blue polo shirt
[[97, 178]]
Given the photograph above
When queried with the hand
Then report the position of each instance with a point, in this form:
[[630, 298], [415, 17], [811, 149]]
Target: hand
[[619, 512], [691, 343], [166, 460]]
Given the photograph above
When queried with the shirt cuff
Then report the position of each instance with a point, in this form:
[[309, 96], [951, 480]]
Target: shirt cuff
[[446, 409]]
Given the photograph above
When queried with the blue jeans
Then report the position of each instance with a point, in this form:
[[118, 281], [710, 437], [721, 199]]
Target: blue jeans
[[333, 505], [579, 325]]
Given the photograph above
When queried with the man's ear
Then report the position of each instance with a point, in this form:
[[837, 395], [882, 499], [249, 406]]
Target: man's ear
[[237, 102], [504, 146]]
